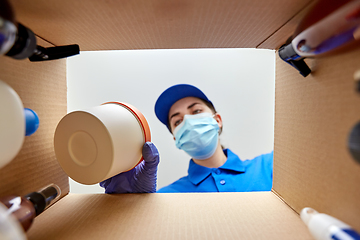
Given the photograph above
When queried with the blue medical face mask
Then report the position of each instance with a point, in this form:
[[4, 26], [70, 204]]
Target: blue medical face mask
[[197, 135]]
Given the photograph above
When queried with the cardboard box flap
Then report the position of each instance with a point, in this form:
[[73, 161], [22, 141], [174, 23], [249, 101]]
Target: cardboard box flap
[[257, 215], [156, 24], [313, 119]]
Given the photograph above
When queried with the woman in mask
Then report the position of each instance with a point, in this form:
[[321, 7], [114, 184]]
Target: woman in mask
[[193, 121]]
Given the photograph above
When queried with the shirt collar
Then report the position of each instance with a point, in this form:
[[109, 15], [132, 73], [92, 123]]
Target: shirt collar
[[198, 173], [233, 162]]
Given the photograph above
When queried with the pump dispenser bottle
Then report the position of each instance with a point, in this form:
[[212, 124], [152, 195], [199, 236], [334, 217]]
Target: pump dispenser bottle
[[26, 208]]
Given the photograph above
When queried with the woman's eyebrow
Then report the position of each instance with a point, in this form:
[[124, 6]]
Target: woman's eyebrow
[[191, 105], [177, 113]]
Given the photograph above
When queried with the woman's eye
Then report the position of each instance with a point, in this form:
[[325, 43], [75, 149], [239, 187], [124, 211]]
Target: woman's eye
[[197, 111], [177, 122]]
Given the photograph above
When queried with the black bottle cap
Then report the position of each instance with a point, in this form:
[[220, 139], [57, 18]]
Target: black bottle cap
[[38, 200], [43, 198]]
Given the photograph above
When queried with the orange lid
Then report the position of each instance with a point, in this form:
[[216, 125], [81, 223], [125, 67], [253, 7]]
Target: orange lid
[[141, 119]]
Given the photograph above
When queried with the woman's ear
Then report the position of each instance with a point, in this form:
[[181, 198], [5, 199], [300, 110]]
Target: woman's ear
[[218, 119]]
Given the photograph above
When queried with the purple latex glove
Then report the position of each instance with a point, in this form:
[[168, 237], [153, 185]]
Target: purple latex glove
[[141, 179]]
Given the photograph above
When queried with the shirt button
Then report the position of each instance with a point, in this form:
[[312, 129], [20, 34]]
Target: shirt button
[[218, 171], [222, 182]]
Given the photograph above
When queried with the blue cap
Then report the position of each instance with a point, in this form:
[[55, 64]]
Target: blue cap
[[172, 95], [31, 121]]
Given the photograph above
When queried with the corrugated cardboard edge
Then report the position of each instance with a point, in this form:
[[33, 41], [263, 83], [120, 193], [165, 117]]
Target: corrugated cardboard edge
[[279, 37], [283, 200]]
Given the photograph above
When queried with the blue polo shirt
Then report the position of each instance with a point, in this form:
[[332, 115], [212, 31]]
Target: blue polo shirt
[[234, 176]]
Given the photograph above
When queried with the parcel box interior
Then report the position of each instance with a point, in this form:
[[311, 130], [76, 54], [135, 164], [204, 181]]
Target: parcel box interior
[[313, 119]]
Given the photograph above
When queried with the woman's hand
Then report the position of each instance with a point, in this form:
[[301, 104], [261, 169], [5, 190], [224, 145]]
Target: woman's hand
[[141, 179]]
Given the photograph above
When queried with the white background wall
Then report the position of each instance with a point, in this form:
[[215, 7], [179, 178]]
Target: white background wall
[[240, 83]]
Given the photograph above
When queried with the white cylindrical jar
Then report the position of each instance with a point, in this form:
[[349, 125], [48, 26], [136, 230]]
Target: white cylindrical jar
[[96, 144]]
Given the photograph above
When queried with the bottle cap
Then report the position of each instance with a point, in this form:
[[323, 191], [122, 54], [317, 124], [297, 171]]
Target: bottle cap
[[44, 197], [38, 201], [31, 121], [306, 214]]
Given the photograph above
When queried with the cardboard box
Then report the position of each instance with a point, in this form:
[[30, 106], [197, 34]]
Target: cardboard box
[[313, 117]]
